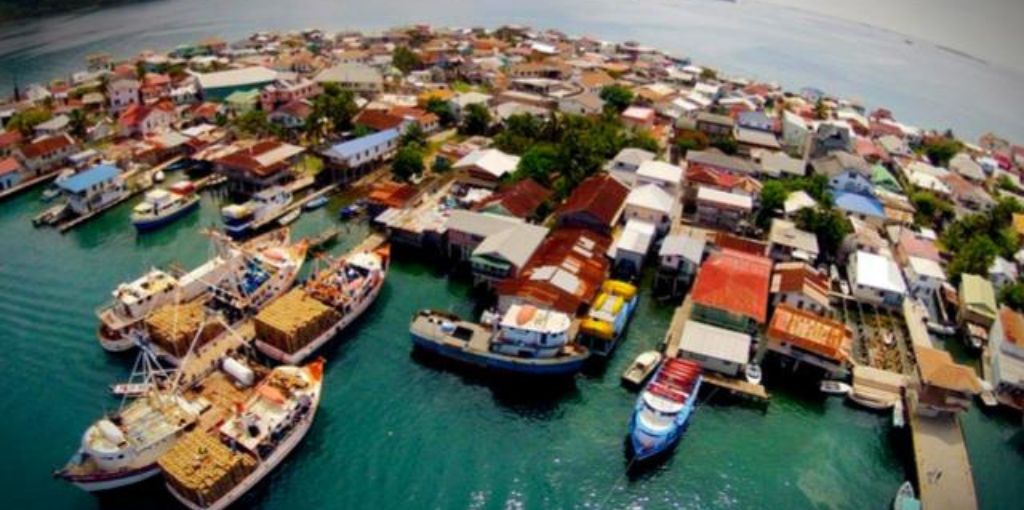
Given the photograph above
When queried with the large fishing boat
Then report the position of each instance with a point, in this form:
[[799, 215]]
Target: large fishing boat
[[211, 469], [161, 207], [608, 317], [135, 300], [526, 340], [294, 326], [264, 207], [663, 408]]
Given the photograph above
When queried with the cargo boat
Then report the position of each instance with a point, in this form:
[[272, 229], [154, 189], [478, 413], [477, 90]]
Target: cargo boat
[[608, 317], [663, 410], [296, 325], [161, 207], [211, 469], [526, 340]]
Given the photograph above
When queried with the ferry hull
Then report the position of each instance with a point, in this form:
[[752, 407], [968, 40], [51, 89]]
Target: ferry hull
[[110, 481], [155, 223], [552, 368], [114, 342]]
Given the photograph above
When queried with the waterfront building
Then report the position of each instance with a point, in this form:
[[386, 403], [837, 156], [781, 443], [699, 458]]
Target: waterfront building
[[731, 290], [522, 199], [486, 167], [806, 337], [496, 246], [715, 349], [10, 173], [595, 204], [218, 85], [92, 189], [256, 166], [800, 286], [942, 386], [977, 307], [723, 209], [632, 246], [46, 154], [652, 204], [875, 279], [354, 158], [1006, 352], [144, 120]]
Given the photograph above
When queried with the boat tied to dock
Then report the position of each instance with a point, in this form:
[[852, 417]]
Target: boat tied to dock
[[163, 206], [663, 409], [608, 317]]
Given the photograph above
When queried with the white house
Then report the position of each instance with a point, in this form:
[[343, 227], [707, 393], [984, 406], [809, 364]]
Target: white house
[[924, 276], [634, 243], [360, 151], [485, 167], [123, 92], [876, 279], [715, 349], [652, 204], [795, 131], [581, 104], [626, 163], [667, 176], [681, 254]]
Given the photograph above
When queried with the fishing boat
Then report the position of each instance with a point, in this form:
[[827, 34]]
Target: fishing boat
[[832, 387], [641, 368], [264, 207], [161, 207], [315, 203], [905, 498], [296, 325], [289, 217], [663, 409], [608, 317], [526, 340], [211, 469]]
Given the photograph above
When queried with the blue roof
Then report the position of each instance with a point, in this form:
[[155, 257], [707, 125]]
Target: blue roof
[[352, 147], [859, 204], [89, 178]]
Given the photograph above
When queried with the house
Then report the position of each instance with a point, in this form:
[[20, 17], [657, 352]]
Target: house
[[968, 195], [681, 255], [638, 117], [428, 122], [564, 274], [218, 85], [942, 386], [652, 204], [780, 164], [260, 165], [144, 120], [10, 173], [380, 120], [666, 176], [54, 126], [585, 104], [801, 286], [925, 277], [977, 307], [883, 179], [459, 102], [522, 199], [714, 125], [796, 201], [806, 337], [830, 137], [715, 160], [242, 101], [92, 189], [360, 153], [595, 204], [46, 154], [1002, 272], [723, 209], [593, 81], [626, 163], [758, 121], [497, 247], [864, 207], [715, 349], [291, 115], [731, 290], [845, 172], [786, 242], [632, 246], [967, 168], [122, 93], [1006, 349], [486, 167], [795, 132], [8, 141], [751, 140], [284, 91], [875, 279]]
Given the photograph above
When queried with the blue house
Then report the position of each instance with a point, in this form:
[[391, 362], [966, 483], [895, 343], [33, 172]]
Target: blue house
[[93, 189], [360, 153], [863, 206]]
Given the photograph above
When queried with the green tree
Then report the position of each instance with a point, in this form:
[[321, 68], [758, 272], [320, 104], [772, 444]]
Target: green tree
[[828, 224], [537, 163], [708, 74], [413, 135], [643, 140], [26, 120], [820, 110], [1013, 296], [361, 130], [441, 164], [616, 98], [408, 163], [726, 144], [930, 209], [78, 123], [941, 150], [520, 132], [690, 140], [973, 257], [442, 109], [253, 123], [333, 111], [476, 120], [773, 198], [404, 59]]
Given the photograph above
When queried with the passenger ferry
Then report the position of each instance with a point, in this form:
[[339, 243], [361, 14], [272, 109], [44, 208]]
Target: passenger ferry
[[608, 317], [264, 207], [663, 410], [526, 340], [161, 207]]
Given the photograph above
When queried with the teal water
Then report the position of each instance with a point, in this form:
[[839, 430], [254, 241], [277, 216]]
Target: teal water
[[395, 432]]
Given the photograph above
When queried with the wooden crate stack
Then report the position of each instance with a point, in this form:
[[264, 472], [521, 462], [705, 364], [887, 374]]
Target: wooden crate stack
[[173, 327], [294, 320], [202, 469]]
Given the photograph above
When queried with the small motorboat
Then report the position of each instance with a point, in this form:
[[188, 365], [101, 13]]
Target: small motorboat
[[130, 390], [350, 211], [905, 498], [289, 218], [316, 203], [871, 402], [898, 419], [642, 367], [753, 373], [834, 387]]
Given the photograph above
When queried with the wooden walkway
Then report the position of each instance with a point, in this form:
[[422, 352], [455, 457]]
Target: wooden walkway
[[29, 184], [944, 478], [737, 387]]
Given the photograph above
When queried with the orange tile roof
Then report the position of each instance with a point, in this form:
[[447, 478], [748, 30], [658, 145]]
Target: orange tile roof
[[378, 120], [601, 196], [810, 332], [1013, 326], [733, 242], [736, 282], [9, 165], [520, 199], [46, 146], [937, 368], [392, 194]]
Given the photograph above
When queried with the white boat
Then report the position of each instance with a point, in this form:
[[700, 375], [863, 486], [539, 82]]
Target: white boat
[[834, 387], [264, 207], [161, 207], [753, 373], [343, 292], [905, 498], [131, 390], [898, 418], [289, 218], [642, 367], [210, 470], [159, 176], [870, 402]]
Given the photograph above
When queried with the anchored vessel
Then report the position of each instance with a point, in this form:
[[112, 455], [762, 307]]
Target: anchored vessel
[[212, 469], [293, 327], [161, 207], [264, 207], [527, 340], [608, 317], [663, 409], [642, 367]]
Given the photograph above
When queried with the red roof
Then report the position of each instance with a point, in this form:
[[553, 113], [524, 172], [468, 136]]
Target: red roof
[[729, 241], [392, 194], [10, 138], [735, 282], [600, 196], [136, 113], [701, 174], [378, 120], [297, 109], [246, 159], [46, 146], [9, 165], [520, 199], [1013, 326]]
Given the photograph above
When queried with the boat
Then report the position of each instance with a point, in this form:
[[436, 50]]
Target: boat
[[159, 176], [905, 498], [264, 207], [211, 469], [315, 203], [289, 217], [870, 401], [296, 325], [53, 191], [526, 341], [663, 409], [161, 207], [642, 367], [832, 387], [608, 317], [898, 418], [753, 373], [350, 211], [131, 390]]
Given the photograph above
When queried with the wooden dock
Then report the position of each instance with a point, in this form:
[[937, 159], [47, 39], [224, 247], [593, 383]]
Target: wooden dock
[[297, 204], [670, 345], [944, 478], [29, 184], [737, 387]]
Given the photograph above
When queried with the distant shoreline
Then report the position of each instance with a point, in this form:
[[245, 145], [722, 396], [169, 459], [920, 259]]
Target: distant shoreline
[[14, 10]]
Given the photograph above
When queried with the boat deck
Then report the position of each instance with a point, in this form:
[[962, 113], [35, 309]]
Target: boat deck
[[943, 470], [737, 386], [208, 356]]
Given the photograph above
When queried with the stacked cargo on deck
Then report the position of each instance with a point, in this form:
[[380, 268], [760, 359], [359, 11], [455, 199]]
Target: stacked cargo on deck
[[173, 327], [203, 469], [294, 320]]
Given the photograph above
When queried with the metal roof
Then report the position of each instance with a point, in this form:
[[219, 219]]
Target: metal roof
[[89, 178], [345, 150]]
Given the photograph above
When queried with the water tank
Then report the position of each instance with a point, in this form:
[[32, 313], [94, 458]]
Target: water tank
[[110, 431], [238, 371]]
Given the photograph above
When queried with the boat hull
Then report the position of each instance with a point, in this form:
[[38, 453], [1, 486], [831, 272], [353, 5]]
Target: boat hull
[[110, 481], [521, 366], [148, 224], [114, 342]]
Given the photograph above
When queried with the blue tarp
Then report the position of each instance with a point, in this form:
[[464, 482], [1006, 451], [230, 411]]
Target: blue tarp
[[89, 178], [859, 204]]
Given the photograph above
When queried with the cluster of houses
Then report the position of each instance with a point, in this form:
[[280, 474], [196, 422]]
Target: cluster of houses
[[689, 215]]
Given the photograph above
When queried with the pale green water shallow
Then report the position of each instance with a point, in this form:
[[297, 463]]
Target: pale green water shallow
[[393, 432]]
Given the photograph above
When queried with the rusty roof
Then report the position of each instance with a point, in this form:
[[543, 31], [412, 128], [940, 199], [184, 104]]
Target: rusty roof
[[811, 332], [736, 282]]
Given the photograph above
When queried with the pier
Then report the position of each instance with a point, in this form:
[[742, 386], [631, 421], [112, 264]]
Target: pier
[[944, 478], [737, 387]]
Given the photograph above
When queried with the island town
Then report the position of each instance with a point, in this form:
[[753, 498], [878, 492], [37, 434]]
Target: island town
[[799, 238]]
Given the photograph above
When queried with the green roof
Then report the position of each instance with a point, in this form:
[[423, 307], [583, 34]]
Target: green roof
[[977, 294], [243, 97], [881, 177]]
